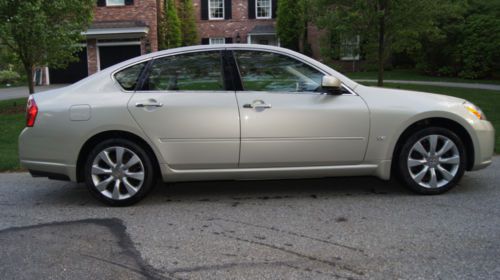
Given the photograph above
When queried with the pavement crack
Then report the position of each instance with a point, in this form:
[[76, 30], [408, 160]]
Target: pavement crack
[[226, 266], [293, 234], [288, 251], [137, 271]]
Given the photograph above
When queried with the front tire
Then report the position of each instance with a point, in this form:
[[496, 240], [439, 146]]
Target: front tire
[[432, 160], [119, 172]]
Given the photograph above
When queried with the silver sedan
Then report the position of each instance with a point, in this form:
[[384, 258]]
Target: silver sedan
[[233, 112]]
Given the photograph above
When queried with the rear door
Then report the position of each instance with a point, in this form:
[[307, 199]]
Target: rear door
[[185, 109], [286, 121]]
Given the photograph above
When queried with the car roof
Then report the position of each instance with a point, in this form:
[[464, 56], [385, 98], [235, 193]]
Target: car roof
[[256, 47]]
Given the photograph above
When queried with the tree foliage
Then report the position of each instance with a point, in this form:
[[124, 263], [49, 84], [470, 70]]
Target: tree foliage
[[188, 23], [43, 32], [385, 26], [290, 23], [466, 42], [170, 27]]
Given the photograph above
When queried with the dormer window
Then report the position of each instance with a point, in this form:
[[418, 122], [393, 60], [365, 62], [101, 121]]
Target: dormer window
[[263, 8]]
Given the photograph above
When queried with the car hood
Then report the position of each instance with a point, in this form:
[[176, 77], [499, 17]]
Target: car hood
[[407, 98]]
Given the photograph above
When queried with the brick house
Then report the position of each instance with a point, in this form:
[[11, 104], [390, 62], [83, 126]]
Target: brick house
[[237, 21], [121, 29]]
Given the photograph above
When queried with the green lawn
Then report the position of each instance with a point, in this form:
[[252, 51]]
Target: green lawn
[[12, 117], [11, 124], [412, 75]]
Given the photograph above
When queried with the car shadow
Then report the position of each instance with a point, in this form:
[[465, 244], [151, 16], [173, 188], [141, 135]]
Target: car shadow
[[238, 191], [274, 189]]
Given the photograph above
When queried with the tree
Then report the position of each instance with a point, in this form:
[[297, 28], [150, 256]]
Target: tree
[[385, 26], [467, 40], [170, 27], [290, 23], [188, 23], [43, 32]]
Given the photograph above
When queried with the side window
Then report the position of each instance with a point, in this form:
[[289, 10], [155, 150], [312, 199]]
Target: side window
[[127, 78], [266, 71], [194, 71]]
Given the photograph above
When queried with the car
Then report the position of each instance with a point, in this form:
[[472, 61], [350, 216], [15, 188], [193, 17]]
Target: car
[[239, 112]]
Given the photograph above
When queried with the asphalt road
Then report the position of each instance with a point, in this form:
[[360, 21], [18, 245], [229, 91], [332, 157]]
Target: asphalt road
[[343, 228]]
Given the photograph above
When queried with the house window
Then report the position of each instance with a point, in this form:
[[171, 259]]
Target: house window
[[217, 41], [263, 8], [115, 2], [216, 9], [349, 49]]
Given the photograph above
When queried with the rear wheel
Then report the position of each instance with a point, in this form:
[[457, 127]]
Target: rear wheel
[[432, 160], [119, 172]]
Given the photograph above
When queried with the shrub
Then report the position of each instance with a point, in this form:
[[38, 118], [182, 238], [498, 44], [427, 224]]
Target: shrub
[[9, 77]]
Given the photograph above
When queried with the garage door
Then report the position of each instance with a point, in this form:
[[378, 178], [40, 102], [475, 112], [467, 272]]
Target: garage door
[[111, 55], [74, 72]]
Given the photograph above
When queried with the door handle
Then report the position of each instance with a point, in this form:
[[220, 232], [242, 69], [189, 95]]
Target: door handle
[[151, 103], [258, 104]]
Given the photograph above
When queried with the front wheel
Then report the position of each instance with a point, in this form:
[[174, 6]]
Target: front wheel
[[119, 172], [432, 160]]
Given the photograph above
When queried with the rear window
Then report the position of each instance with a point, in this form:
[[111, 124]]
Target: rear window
[[128, 78]]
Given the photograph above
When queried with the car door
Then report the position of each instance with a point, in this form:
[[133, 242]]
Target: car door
[[286, 121], [185, 109]]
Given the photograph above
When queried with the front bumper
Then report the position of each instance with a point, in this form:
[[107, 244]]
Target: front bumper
[[485, 144]]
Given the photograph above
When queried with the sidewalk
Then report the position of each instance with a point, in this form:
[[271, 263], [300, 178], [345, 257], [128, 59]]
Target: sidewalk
[[20, 92], [438, 84]]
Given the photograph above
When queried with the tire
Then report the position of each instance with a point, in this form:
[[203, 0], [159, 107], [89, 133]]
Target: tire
[[432, 160], [119, 182]]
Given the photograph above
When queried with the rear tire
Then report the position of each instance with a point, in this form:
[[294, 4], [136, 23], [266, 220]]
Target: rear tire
[[119, 172], [432, 160]]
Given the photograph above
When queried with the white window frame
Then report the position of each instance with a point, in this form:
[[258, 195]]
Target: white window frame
[[355, 41], [114, 4], [213, 41], [210, 11], [270, 10]]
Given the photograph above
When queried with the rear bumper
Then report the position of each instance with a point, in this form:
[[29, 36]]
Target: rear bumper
[[50, 170]]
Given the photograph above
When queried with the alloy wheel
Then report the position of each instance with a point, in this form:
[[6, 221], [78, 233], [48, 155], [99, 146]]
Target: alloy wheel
[[117, 173], [433, 161]]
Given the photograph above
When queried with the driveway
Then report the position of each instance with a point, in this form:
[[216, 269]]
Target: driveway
[[20, 92], [342, 228]]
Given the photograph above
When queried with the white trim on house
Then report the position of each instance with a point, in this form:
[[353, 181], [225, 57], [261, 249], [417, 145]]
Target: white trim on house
[[210, 11], [126, 43], [113, 31], [217, 41], [270, 10]]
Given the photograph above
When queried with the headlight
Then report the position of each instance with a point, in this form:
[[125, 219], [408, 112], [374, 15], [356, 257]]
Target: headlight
[[473, 109]]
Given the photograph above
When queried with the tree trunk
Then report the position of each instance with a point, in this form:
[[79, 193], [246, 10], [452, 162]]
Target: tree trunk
[[29, 76], [381, 44]]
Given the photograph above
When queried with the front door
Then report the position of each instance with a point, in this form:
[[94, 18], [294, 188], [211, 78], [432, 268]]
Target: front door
[[286, 122], [187, 112]]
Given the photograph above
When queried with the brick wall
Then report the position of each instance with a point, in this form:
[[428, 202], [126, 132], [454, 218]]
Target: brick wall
[[229, 27]]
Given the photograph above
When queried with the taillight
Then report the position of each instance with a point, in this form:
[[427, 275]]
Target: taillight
[[31, 112]]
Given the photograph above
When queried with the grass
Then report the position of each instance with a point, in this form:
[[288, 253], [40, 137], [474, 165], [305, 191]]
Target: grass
[[412, 75], [11, 124], [12, 117]]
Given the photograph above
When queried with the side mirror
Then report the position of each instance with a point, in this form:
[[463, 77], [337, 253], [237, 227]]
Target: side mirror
[[331, 83]]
